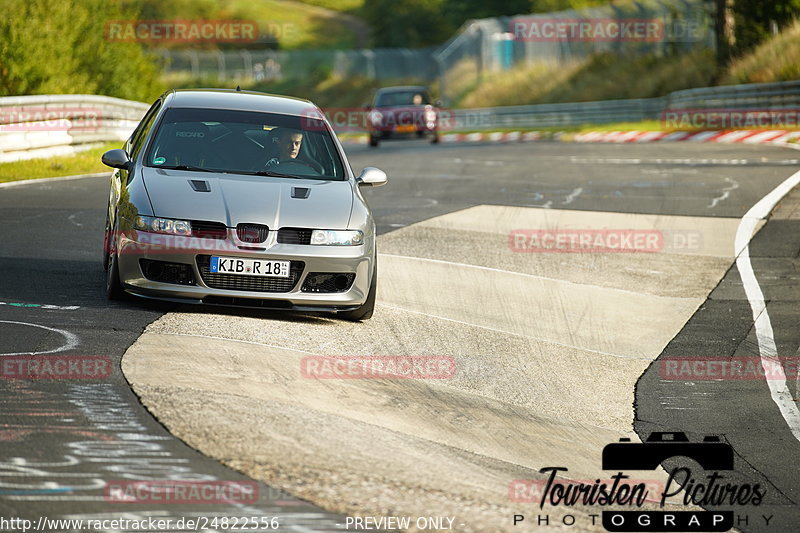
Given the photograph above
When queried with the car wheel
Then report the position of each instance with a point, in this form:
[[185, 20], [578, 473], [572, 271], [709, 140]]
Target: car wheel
[[435, 138], [106, 243], [365, 311], [373, 141], [113, 286]]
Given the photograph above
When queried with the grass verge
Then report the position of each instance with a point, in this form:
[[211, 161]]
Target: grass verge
[[87, 162], [777, 59]]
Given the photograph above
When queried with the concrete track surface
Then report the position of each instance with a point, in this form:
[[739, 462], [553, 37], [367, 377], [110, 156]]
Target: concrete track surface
[[548, 347]]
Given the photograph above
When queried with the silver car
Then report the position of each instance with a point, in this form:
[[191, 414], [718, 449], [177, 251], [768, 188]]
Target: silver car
[[237, 198]]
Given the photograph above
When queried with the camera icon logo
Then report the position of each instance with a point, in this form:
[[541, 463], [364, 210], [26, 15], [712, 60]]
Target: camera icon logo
[[711, 453]]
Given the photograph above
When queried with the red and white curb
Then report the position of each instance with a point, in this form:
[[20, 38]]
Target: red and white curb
[[779, 137], [727, 136], [491, 136]]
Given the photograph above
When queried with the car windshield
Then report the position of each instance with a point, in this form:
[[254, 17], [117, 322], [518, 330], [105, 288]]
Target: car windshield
[[397, 98], [245, 142]]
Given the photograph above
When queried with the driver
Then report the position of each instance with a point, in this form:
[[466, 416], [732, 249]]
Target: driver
[[288, 141]]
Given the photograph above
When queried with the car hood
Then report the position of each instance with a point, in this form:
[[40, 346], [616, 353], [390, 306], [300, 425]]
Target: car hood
[[397, 110], [234, 198]]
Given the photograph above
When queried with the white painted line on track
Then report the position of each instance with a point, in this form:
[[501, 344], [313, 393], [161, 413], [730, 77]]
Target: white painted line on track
[[571, 196], [70, 339], [38, 181], [765, 335], [726, 192]]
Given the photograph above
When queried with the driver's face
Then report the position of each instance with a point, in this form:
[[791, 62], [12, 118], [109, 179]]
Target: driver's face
[[290, 145]]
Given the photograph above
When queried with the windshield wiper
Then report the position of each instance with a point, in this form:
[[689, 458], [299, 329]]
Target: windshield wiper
[[186, 167], [273, 174]]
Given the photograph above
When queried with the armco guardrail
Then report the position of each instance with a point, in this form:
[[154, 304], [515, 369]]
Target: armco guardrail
[[751, 96], [47, 125], [762, 96], [558, 115], [41, 126]]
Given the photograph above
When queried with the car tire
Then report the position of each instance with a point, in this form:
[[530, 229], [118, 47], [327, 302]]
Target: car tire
[[435, 138], [365, 311], [373, 141], [114, 289], [106, 243]]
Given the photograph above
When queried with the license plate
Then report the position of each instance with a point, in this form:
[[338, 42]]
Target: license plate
[[405, 129], [249, 267]]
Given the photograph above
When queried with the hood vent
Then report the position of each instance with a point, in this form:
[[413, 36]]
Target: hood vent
[[200, 185], [300, 192]]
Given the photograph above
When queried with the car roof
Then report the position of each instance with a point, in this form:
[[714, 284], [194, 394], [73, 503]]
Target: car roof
[[400, 88], [239, 100]]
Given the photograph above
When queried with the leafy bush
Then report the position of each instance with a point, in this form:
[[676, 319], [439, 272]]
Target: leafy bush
[[61, 48]]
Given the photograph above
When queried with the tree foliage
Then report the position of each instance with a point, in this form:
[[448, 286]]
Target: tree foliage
[[60, 46], [753, 20], [406, 24]]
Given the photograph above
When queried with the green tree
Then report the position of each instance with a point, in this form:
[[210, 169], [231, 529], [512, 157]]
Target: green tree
[[753, 20], [60, 46], [456, 12], [548, 6], [407, 23]]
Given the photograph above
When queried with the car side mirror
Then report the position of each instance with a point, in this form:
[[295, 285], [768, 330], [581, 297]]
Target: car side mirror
[[438, 103], [117, 158], [373, 177]]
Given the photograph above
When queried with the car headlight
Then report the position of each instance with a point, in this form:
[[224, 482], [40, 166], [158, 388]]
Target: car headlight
[[330, 237], [430, 115], [163, 225], [376, 117]]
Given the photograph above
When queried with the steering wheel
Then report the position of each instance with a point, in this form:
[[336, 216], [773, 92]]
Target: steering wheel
[[294, 166]]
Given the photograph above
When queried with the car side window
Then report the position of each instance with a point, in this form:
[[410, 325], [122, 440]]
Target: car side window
[[138, 137]]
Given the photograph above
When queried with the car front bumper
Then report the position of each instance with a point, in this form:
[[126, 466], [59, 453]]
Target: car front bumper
[[287, 294]]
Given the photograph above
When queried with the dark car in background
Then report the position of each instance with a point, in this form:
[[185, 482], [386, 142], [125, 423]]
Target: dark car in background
[[402, 112]]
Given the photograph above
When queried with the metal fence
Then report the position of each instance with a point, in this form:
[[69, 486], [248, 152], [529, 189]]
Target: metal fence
[[782, 97], [245, 66], [490, 45], [480, 47]]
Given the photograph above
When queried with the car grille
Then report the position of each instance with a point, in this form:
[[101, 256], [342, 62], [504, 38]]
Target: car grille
[[294, 236], [252, 233], [209, 230], [237, 282]]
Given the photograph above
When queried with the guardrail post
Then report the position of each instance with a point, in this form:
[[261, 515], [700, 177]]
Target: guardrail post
[[221, 63]]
